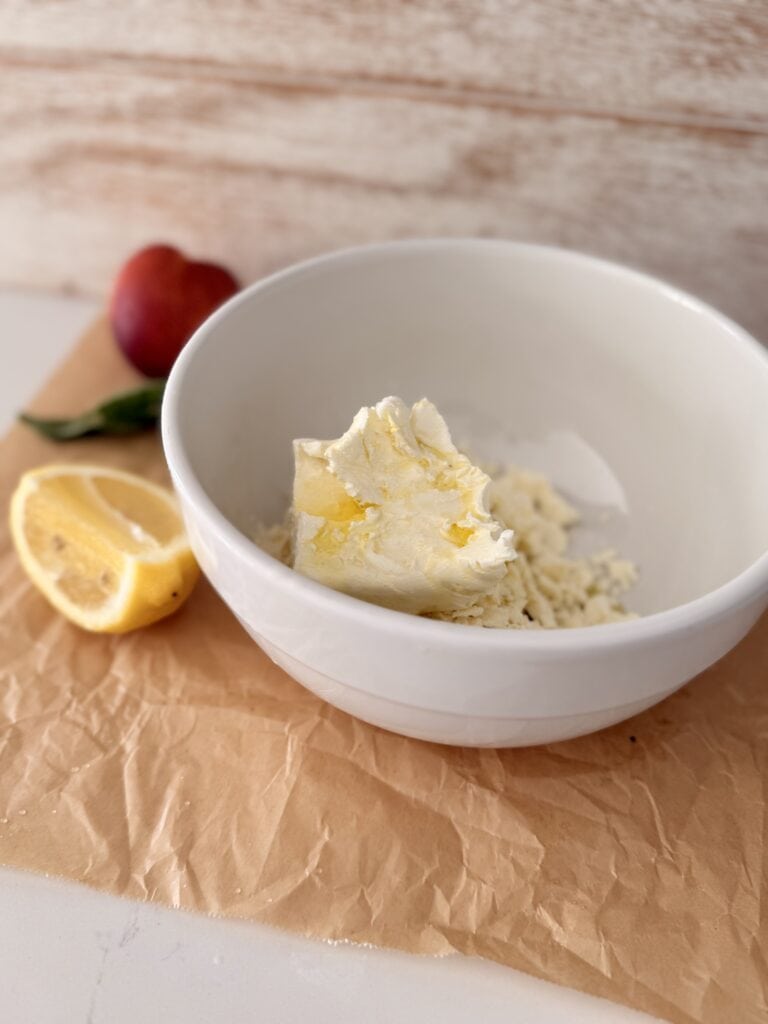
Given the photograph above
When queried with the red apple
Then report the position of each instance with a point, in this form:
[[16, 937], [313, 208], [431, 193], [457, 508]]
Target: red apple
[[159, 299]]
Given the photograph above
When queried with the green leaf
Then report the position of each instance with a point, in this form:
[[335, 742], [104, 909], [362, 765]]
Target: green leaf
[[126, 413]]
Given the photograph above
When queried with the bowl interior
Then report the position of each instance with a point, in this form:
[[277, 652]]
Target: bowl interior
[[647, 410]]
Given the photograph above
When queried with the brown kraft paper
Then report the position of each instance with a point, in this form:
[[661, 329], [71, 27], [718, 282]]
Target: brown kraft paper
[[178, 764]]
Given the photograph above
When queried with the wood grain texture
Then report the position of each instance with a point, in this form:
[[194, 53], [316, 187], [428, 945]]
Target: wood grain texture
[[703, 58], [261, 133]]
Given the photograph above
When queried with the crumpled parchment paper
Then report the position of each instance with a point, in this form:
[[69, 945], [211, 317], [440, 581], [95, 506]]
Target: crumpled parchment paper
[[178, 764]]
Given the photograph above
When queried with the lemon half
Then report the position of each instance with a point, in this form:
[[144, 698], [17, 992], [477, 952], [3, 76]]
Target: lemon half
[[107, 548]]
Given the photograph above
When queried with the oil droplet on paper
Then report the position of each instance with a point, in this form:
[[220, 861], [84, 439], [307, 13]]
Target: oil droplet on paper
[[22, 812]]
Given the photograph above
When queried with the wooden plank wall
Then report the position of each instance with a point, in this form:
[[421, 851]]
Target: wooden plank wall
[[261, 132]]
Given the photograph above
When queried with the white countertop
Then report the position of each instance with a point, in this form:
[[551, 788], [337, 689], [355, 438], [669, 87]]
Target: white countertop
[[69, 955]]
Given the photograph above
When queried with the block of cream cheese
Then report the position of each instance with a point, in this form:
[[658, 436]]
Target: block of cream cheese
[[393, 513]]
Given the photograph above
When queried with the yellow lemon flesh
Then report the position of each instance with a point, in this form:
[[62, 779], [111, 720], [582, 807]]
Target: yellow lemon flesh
[[107, 548]]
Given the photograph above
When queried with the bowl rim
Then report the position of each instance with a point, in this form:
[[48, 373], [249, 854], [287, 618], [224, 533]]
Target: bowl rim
[[736, 592]]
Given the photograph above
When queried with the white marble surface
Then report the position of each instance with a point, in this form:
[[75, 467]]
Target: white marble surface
[[72, 956]]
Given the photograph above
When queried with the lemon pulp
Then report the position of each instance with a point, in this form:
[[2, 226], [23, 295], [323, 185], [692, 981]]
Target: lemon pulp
[[107, 548]]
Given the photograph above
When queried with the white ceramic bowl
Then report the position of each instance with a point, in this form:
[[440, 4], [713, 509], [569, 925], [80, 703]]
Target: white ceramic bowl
[[647, 407]]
